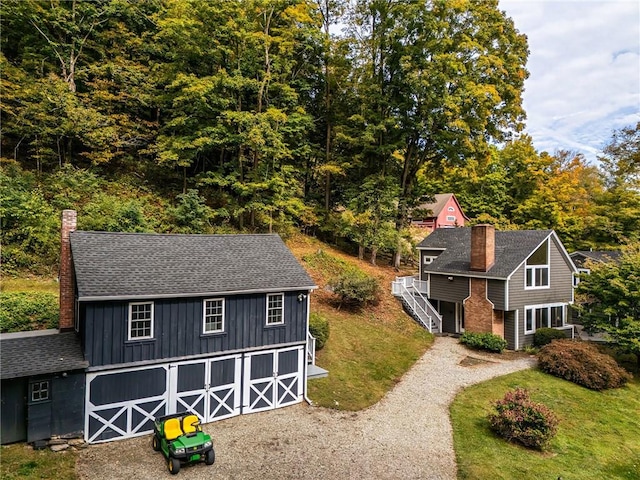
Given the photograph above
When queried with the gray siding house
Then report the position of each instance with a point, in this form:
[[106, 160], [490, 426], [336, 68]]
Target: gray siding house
[[214, 324], [509, 283]]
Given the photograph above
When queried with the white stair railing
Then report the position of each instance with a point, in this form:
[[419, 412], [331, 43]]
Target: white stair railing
[[411, 293]]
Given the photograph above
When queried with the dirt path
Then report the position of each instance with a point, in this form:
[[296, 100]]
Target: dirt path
[[405, 436]]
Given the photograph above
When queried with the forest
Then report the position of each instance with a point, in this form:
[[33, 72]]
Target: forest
[[332, 118]]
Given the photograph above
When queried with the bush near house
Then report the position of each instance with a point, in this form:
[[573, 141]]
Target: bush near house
[[544, 336], [582, 363], [21, 311], [355, 288], [519, 419], [484, 341], [319, 328]]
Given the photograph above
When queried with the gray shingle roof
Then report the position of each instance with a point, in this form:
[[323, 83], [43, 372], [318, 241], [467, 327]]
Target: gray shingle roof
[[512, 248], [38, 353], [580, 257], [142, 265]]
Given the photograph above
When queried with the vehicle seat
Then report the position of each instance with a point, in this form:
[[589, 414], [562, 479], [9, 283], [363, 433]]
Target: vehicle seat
[[172, 429], [187, 424]]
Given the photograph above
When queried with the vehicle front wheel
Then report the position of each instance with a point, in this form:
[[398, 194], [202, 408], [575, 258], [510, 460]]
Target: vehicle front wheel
[[174, 465], [210, 457], [155, 443]]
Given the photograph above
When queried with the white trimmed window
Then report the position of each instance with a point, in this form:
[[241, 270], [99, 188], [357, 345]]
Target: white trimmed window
[[537, 268], [275, 308], [213, 321], [40, 391], [428, 260], [140, 320], [543, 316], [451, 218], [451, 209]]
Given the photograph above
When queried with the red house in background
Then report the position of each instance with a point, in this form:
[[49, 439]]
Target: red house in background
[[444, 212]]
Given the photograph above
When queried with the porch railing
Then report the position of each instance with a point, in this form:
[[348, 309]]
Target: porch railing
[[311, 349]]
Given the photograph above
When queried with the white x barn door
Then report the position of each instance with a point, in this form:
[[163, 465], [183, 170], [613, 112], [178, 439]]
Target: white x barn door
[[272, 379]]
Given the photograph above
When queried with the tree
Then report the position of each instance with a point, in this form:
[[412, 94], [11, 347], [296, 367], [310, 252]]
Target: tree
[[611, 292], [438, 80]]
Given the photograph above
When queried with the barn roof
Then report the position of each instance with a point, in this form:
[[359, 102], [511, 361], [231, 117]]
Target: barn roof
[[39, 352], [142, 265], [511, 249]]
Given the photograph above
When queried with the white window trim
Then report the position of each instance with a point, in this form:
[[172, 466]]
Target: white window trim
[[32, 391], [204, 315], [451, 218], [451, 209], [533, 269], [281, 322], [135, 339], [548, 306], [427, 260]]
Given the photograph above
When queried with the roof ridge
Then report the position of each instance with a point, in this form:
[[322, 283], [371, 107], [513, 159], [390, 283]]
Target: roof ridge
[[161, 234]]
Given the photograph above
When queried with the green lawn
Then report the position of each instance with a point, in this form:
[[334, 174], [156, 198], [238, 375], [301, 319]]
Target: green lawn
[[365, 358], [21, 461], [30, 284], [598, 436]]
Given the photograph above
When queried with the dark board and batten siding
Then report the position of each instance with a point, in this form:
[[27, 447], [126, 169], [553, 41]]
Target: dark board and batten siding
[[178, 327], [455, 290]]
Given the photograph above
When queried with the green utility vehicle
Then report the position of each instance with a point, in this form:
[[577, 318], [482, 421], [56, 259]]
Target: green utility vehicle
[[181, 439]]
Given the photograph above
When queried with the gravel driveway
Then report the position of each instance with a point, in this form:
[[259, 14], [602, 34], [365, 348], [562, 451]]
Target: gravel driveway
[[407, 435]]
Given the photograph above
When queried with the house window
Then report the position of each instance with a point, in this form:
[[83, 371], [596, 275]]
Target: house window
[[451, 209], [428, 260], [275, 308], [543, 316], [576, 277], [537, 268], [451, 218], [40, 391], [213, 315], [140, 320]]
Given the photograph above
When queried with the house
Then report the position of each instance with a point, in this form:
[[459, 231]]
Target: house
[[155, 324], [444, 212], [581, 258], [478, 280]]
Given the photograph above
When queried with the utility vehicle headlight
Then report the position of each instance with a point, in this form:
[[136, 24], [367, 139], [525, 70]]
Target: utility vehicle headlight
[[179, 451], [208, 443]]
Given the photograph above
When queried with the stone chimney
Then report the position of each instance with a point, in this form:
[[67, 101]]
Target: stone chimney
[[483, 247], [66, 276]]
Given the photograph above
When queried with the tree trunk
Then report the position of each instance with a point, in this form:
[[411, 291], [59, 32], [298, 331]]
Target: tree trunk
[[360, 251], [374, 255]]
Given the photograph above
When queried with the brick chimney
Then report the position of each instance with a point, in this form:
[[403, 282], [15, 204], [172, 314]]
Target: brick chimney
[[483, 247], [66, 276]]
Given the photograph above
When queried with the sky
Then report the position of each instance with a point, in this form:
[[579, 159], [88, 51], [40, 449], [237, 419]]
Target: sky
[[584, 71]]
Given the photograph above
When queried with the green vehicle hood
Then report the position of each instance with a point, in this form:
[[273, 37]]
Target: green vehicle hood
[[189, 442]]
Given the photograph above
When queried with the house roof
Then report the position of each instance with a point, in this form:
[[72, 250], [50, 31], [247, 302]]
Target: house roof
[[142, 265], [581, 256], [511, 249], [441, 200], [38, 353]]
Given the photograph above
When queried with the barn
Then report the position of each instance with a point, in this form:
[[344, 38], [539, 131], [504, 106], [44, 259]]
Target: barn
[[215, 324]]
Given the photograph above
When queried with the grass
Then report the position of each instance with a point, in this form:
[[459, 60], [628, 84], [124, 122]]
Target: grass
[[597, 436], [21, 461], [30, 284]]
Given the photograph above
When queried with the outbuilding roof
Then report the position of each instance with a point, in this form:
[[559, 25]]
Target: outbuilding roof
[[142, 265], [581, 256], [511, 249], [39, 353], [440, 201]]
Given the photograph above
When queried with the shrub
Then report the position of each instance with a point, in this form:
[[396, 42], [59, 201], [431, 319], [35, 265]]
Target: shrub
[[521, 420], [544, 336], [22, 311], [355, 287], [582, 363], [484, 341], [319, 328]]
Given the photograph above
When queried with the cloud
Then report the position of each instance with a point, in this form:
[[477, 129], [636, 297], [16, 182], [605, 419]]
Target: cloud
[[584, 70]]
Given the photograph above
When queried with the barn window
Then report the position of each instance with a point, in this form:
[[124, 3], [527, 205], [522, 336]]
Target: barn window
[[140, 320], [275, 308], [451, 209], [214, 315], [451, 218], [40, 391]]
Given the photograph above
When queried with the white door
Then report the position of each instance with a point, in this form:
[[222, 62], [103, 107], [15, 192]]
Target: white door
[[273, 379], [210, 387]]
